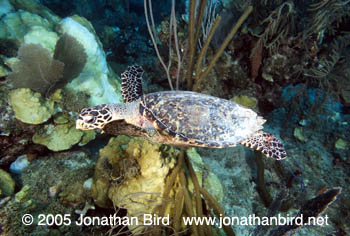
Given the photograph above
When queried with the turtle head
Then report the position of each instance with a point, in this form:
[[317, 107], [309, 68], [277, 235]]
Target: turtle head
[[94, 117]]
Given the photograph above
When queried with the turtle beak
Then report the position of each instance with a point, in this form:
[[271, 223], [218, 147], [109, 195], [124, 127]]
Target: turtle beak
[[80, 125]]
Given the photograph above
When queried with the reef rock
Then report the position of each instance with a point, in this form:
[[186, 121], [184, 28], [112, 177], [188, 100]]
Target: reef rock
[[40, 35], [3, 71], [18, 24], [35, 7], [5, 7], [58, 179], [59, 137], [30, 107], [207, 179], [136, 166], [299, 134], [27, 27], [7, 184], [132, 173], [246, 101], [341, 144], [94, 79]]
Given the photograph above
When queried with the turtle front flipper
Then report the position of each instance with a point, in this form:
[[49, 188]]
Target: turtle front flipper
[[266, 143], [132, 83]]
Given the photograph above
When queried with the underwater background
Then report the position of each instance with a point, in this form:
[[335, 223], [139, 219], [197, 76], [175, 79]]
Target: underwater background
[[289, 61]]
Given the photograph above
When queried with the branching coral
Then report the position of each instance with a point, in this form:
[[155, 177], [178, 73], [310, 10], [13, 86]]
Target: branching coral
[[39, 71], [69, 51], [278, 26], [328, 72], [324, 14], [202, 23], [36, 69], [189, 202], [200, 75], [300, 43], [209, 19], [172, 33]]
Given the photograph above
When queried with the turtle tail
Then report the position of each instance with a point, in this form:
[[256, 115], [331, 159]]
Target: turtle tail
[[266, 143]]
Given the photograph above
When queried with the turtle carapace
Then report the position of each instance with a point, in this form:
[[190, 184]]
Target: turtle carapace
[[181, 118]]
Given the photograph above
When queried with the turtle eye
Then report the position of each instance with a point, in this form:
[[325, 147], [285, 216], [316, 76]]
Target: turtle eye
[[89, 119]]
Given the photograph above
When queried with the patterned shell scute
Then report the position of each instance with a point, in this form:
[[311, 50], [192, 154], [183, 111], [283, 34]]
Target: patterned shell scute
[[193, 117]]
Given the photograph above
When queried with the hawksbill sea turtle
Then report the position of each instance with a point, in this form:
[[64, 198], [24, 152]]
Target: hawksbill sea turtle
[[180, 118]]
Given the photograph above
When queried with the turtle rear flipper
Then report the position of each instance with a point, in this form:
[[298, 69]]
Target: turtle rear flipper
[[132, 83], [266, 143]]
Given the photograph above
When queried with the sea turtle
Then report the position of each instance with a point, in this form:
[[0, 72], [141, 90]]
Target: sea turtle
[[181, 118]]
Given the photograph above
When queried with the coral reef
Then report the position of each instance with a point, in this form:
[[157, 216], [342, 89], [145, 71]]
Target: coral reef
[[7, 117], [35, 69], [18, 24], [233, 167], [7, 184], [47, 61], [134, 168], [95, 78], [39, 71], [30, 107], [135, 174], [72, 54], [59, 137], [58, 191], [246, 101]]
